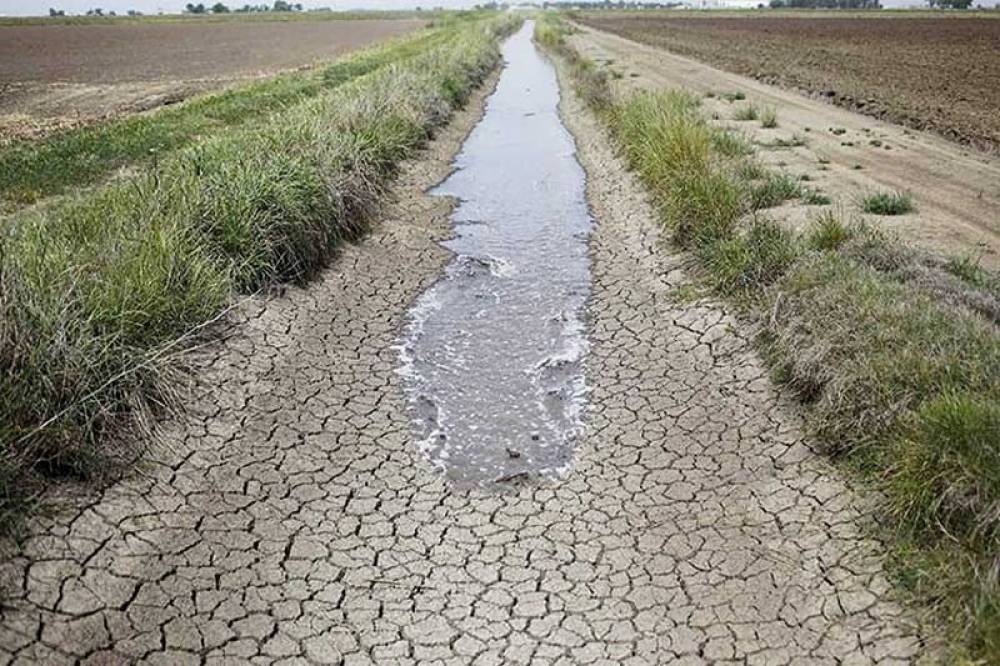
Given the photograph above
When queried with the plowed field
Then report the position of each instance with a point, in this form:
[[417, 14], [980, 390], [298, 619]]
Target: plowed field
[[937, 73]]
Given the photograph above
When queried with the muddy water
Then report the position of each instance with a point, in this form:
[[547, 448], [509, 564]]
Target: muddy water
[[493, 352]]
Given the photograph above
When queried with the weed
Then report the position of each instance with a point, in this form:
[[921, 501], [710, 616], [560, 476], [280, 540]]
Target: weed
[[768, 117], [733, 96], [887, 203], [748, 112], [827, 232], [741, 264], [795, 141], [731, 144], [775, 189], [815, 198], [838, 131]]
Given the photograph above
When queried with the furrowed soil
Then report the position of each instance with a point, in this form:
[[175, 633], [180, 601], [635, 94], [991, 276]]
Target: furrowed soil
[[840, 153], [936, 73], [290, 514], [53, 76]]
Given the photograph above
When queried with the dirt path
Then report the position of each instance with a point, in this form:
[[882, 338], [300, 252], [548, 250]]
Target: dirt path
[[289, 516], [956, 190]]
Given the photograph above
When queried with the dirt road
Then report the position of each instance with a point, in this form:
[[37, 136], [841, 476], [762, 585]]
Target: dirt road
[[290, 515], [845, 155]]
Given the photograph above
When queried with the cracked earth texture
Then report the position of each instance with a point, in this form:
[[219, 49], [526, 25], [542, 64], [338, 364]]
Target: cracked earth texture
[[289, 518]]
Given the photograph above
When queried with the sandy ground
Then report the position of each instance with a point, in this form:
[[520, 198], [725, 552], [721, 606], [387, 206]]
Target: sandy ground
[[289, 515], [956, 190], [55, 76]]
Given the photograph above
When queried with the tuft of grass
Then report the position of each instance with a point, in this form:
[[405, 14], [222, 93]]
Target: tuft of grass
[[887, 203], [827, 233], [793, 141], [748, 112], [838, 131], [813, 197], [731, 144], [734, 96], [743, 264], [671, 147], [769, 117], [774, 190]]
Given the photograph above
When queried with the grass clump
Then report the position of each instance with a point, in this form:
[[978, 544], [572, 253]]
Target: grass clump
[[731, 144], [743, 264], [99, 290], [794, 141], [769, 117], [827, 233], [734, 96], [671, 147], [775, 189], [813, 197], [745, 113], [888, 203]]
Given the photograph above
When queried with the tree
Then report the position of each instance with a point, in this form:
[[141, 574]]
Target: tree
[[219, 8], [195, 9], [56, 12]]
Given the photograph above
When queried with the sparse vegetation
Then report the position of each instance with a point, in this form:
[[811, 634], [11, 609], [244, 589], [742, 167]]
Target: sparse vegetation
[[794, 141]]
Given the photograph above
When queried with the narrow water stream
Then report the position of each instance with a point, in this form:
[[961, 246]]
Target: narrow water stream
[[493, 352]]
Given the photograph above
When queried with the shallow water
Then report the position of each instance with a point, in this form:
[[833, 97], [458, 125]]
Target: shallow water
[[493, 352]]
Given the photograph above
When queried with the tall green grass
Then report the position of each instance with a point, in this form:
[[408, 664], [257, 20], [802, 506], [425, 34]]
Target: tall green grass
[[895, 353], [98, 290], [31, 170]]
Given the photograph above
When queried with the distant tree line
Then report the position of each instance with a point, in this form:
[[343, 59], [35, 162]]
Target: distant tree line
[[826, 4], [220, 8]]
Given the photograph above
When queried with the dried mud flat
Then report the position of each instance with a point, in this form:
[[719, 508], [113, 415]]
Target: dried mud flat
[[927, 73], [840, 153], [289, 516], [61, 75]]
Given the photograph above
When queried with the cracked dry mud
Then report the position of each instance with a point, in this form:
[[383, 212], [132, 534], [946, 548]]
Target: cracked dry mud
[[289, 517]]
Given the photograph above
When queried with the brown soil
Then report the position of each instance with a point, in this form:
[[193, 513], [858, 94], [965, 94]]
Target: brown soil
[[844, 154], [927, 73], [53, 76]]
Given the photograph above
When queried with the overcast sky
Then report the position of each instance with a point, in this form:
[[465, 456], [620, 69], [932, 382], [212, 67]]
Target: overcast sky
[[38, 7]]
